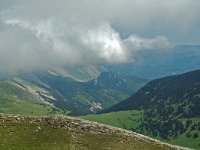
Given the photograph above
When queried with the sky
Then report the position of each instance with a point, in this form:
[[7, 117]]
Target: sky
[[37, 34]]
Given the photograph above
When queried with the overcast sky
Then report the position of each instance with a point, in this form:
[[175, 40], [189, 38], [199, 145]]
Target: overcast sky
[[45, 33]]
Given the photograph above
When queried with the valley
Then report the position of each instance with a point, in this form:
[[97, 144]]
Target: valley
[[165, 109], [67, 96]]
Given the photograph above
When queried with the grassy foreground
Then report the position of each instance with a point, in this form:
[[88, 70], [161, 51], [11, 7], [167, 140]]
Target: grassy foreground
[[67, 134], [123, 119]]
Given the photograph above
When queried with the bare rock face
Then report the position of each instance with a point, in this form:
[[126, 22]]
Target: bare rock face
[[80, 125]]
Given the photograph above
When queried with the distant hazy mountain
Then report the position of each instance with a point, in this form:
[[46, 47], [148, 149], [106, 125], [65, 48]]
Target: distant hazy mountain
[[149, 65], [155, 64], [79, 73]]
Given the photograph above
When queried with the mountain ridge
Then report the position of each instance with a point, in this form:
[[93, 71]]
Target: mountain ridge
[[195, 77]]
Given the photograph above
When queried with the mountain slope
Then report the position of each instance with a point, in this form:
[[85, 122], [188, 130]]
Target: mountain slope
[[170, 90], [88, 97], [133, 120], [65, 94], [170, 108], [156, 64], [82, 73], [70, 133], [20, 97]]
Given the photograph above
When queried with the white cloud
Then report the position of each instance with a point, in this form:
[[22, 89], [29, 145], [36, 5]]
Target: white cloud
[[136, 42], [106, 42], [45, 33]]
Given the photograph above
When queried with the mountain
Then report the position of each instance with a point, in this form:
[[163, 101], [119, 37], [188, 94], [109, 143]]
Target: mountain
[[148, 65], [66, 95], [167, 109], [61, 132], [118, 81], [79, 73], [158, 63], [181, 90], [88, 97]]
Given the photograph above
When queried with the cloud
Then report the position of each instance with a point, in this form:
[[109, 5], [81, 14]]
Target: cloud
[[136, 42], [46, 33]]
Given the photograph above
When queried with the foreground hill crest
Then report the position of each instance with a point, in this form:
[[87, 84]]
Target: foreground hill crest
[[82, 126]]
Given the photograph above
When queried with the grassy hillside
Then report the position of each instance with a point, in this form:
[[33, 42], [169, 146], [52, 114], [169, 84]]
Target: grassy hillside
[[15, 100], [124, 119], [17, 132], [133, 120], [23, 107]]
